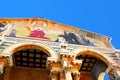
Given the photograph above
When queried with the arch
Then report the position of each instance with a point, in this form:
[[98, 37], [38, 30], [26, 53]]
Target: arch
[[92, 52], [28, 45]]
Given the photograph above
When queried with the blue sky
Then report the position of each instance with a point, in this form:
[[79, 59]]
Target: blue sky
[[99, 16]]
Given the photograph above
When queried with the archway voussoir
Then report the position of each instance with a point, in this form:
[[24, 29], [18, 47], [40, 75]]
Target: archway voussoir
[[92, 52], [11, 49]]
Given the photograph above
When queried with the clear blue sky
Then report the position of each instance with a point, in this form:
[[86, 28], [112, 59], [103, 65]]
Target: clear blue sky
[[99, 16]]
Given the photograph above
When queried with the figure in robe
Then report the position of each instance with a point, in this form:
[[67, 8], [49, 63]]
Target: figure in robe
[[37, 30], [38, 33]]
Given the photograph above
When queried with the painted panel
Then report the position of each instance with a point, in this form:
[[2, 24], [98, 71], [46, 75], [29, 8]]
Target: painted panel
[[47, 30]]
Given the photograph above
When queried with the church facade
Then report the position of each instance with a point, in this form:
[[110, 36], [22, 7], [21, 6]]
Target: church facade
[[40, 49]]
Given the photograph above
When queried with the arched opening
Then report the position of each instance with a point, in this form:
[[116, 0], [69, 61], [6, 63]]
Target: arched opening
[[30, 58], [91, 67], [93, 64], [29, 63]]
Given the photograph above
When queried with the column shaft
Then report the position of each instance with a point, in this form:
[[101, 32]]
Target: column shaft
[[7, 73], [68, 75]]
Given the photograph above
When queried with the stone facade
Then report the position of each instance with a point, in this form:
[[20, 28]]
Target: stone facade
[[58, 60]]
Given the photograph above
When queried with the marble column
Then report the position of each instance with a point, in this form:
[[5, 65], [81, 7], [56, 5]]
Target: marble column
[[68, 75], [67, 71]]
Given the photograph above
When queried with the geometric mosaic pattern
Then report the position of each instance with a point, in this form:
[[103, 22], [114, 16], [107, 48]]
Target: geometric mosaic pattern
[[30, 58], [88, 62]]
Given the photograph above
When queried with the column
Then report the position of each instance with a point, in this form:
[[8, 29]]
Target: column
[[54, 75], [62, 76], [76, 76], [68, 75], [67, 70], [7, 73], [2, 70]]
